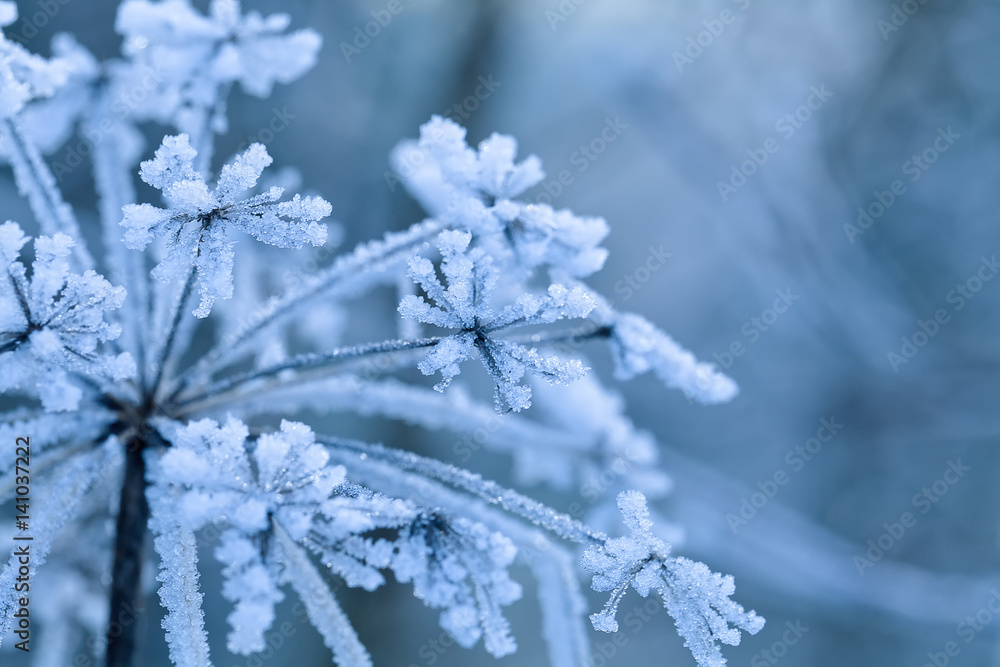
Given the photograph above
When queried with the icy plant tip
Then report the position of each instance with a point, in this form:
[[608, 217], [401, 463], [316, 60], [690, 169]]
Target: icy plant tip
[[697, 598]]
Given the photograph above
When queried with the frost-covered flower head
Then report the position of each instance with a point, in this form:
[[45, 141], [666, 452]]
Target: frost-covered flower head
[[210, 476], [284, 483], [24, 76], [475, 190], [472, 191], [49, 120], [466, 305], [54, 322], [197, 221], [190, 56], [284, 478]]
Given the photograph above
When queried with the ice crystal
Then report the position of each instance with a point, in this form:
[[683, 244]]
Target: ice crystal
[[695, 597], [465, 305], [53, 324], [198, 220]]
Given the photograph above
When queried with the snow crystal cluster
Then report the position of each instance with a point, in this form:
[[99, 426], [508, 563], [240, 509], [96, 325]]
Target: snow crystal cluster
[[465, 305], [143, 418], [52, 325], [198, 220], [697, 598]]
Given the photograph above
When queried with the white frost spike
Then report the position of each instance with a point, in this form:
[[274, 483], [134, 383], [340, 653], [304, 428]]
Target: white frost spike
[[697, 598], [251, 586], [321, 605], [198, 220], [465, 304], [54, 323], [179, 592], [638, 347]]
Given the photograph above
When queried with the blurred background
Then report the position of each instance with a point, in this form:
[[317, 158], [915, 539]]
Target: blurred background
[[823, 175]]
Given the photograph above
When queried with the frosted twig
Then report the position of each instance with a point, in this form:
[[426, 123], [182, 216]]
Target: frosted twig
[[36, 182], [561, 525], [304, 362]]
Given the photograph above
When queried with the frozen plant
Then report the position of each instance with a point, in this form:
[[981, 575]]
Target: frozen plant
[[154, 406]]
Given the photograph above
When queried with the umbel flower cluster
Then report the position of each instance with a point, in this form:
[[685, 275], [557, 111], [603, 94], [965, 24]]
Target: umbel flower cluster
[[157, 395]]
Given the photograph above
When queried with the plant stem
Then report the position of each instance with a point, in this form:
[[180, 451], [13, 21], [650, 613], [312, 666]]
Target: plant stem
[[126, 600], [561, 525], [303, 362], [177, 314], [36, 182], [343, 278]]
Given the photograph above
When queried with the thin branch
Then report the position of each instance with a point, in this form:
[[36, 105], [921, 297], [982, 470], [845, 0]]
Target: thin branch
[[344, 277], [22, 298], [115, 188], [562, 525], [13, 344], [37, 183], [303, 362], [222, 392], [180, 306], [566, 336]]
